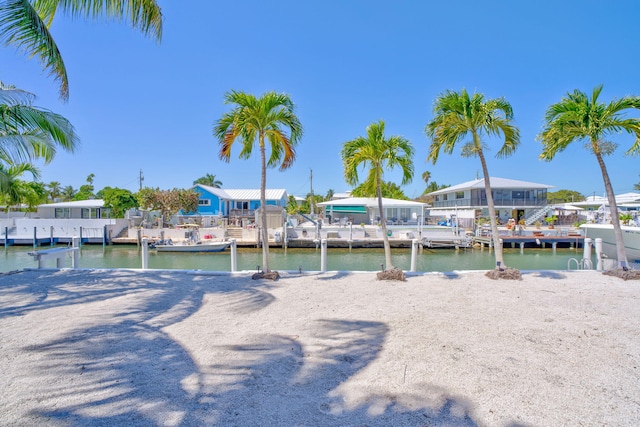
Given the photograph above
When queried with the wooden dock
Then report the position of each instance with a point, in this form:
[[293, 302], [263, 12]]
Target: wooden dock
[[533, 241]]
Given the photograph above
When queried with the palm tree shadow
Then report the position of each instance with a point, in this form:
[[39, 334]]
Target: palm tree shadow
[[127, 370]]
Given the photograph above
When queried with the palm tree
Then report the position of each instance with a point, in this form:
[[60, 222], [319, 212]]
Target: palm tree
[[25, 24], [263, 120], [13, 191], [209, 180], [28, 133], [54, 190], [580, 118], [458, 116], [68, 193], [379, 154]]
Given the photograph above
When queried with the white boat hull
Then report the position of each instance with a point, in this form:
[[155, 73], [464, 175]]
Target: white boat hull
[[630, 236], [194, 247]]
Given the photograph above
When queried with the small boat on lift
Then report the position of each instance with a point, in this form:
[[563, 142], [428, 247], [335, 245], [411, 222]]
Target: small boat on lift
[[192, 244], [199, 246]]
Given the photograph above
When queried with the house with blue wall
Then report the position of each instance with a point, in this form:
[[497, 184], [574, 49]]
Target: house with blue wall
[[235, 203]]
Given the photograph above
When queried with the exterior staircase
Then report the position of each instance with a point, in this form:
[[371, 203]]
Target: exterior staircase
[[538, 215], [234, 233]]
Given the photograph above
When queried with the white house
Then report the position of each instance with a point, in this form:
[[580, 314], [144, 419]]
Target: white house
[[365, 210]]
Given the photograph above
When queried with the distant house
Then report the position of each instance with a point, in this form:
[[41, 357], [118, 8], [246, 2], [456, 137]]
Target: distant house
[[85, 209], [365, 210], [511, 198]]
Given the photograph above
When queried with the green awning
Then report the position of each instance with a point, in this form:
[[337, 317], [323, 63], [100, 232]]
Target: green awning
[[347, 209]]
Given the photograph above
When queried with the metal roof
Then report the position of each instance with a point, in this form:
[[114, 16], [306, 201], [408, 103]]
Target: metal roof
[[91, 203], [270, 194], [371, 202]]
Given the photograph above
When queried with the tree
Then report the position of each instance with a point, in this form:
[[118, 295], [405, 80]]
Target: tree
[[14, 191], [329, 196], [458, 116], [260, 120], [25, 25], [68, 193], [389, 190], [118, 200], [168, 202], [377, 153], [582, 119], [54, 190], [29, 133], [86, 191], [209, 180], [564, 196]]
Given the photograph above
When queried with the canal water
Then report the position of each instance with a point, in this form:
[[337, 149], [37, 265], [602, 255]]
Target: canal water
[[440, 260]]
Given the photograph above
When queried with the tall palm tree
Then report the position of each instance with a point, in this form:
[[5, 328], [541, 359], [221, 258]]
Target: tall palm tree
[[458, 115], [25, 24], [262, 120], [580, 118], [378, 153], [27, 132], [209, 180]]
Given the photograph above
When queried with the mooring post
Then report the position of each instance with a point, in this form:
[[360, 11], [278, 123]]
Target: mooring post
[[323, 255], [234, 259], [145, 253], [586, 248], [599, 254], [414, 255], [75, 243]]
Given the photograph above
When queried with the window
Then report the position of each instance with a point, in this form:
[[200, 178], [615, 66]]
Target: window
[[459, 194], [89, 213], [444, 196], [204, 202], [63, 213], [519, 194]]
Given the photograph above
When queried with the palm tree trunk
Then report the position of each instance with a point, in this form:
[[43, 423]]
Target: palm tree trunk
[[497, 244], [263, 205], [383, 224], [615, 218]]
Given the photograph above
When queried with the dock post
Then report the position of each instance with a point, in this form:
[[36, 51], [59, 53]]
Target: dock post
[[521, 247], [414, 255], [6, 237], [75, 255], [51, 235], [234, 259], [80, 236], [553, 246], [586, 248], [35, 237], [323, 255], [145, 254], [599, 253]]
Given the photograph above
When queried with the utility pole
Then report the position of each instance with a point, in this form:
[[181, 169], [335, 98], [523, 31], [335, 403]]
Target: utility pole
[[311, 185], [141, 179]]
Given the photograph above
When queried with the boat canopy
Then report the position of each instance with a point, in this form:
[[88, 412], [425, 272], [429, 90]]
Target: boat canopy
[[347, 209]]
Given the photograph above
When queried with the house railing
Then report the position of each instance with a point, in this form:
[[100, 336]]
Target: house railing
[[463, 203], [242, 212]]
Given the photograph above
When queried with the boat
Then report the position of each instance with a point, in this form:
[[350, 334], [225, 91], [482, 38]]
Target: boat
[[192, 244], [630, 236], [189, 246]]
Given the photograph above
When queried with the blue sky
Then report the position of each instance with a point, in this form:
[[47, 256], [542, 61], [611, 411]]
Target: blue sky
[[138, 105]]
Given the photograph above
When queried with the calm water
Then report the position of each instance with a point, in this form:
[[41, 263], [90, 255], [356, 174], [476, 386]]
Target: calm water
[[129, 256]]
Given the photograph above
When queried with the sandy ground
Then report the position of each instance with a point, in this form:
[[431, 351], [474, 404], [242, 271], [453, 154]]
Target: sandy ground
[[126, 347]]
